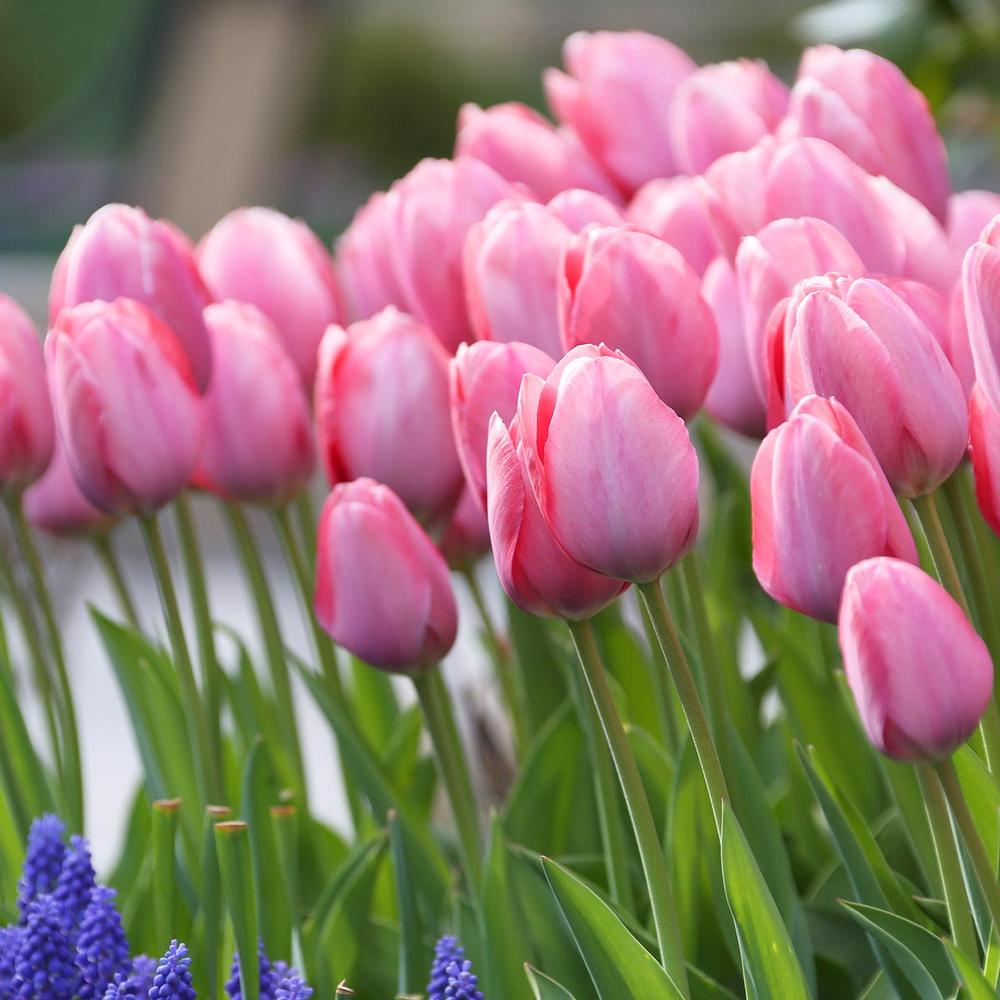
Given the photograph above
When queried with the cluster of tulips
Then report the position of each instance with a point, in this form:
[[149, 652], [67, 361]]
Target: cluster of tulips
[[518, 350]]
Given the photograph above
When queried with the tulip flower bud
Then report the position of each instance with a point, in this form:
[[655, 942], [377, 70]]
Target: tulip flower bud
[[577, 209], [981, 295], [820, 503], [620, 495], [535, 571], [984, 433], [122, 253], [257, 445], [686, 213], [26, 427], [522, 146], [278, 264], [920, 675], [382, 588], [636, 293], [969, 212], [723, 108], [126, 405], [485, 379], [55, 504], [862, 344], [467, 537], [615, 95], [864, 105], [513, 260], [382, 411]]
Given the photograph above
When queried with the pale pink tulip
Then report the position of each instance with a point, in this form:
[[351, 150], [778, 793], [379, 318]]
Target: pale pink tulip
[[467, 538], [382, 588], [578, 208], [969, 212], [382, 411], [981, 295], [55, 504], [634, 292], [126, 404], [920, 674], [616, 95], [485, 378], [984, 434], [820, 503], [122, 253], [278, 264]]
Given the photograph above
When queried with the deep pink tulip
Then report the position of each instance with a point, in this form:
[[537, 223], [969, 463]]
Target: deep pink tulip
[[969, 212], [382, 588], [920, 674], [433, 206], [634, 292], [769, 264], [513, 260], [535, 571], [981, 295], [55, 504], [382, 411], [686, 213], [864, 105], [485, 378], [733, 398], [615, 95], [26, 428], [278, 264], [257, 444], [619, 494], [524, 147], [467, 538], [126, 404], [820, 503], [984, 435], [858, 341], [931, 307], [723, 108], [122, 253], [578, 208]]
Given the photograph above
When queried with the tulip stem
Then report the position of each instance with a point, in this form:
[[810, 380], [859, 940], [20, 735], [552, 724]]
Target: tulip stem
[[949, 863], [453, 768], [512, 693], [937, 540], [195, 712], [270, 633], [73, 768], [116, 577], [985, 869], [687, 691], [654, 865]]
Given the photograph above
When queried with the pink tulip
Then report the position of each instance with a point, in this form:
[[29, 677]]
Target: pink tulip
[[122, 253], [278, 264], [858, 341], [723, 108], [820, 504], [864, 105], [768, 266], [931, 307], [485, 379], [920, 675], [733, 398], [616, 95], [522, 146], [382, 588], [513, 262], [382, 411], [26, 428], [741, 181], [636, 293], [984, 434], [467, 538], [535, 571], [969, 212], [981, 294], [959, 349], [619, 494], [578, 208], [126, 404], [686, 213], [257, 444], [434, 206], [55, 504]]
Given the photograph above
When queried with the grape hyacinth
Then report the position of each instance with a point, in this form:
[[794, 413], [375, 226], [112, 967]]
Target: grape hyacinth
[[76, 882], [122, 988], [11, 939], [173, 975], [101, 948], [141, 979], [43, 861], [268, 978], [45, 967], [291, 986], [451, 974]]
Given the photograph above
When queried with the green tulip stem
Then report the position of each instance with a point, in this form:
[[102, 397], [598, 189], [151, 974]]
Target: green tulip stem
[[116, 577], [654, 865]]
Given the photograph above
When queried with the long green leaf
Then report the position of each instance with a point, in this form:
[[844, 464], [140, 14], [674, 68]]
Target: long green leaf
[[412, 952], [545, 988], [975, 983], [232, 841], [502, 924]]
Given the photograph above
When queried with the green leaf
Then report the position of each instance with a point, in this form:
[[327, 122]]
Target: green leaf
[[920, 954], [232, 842], [618, 964], [537, 659], [502, 924], [977, 987], [544, 988], [373, 702], [770, 966], [412, 952], [164, 838]]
